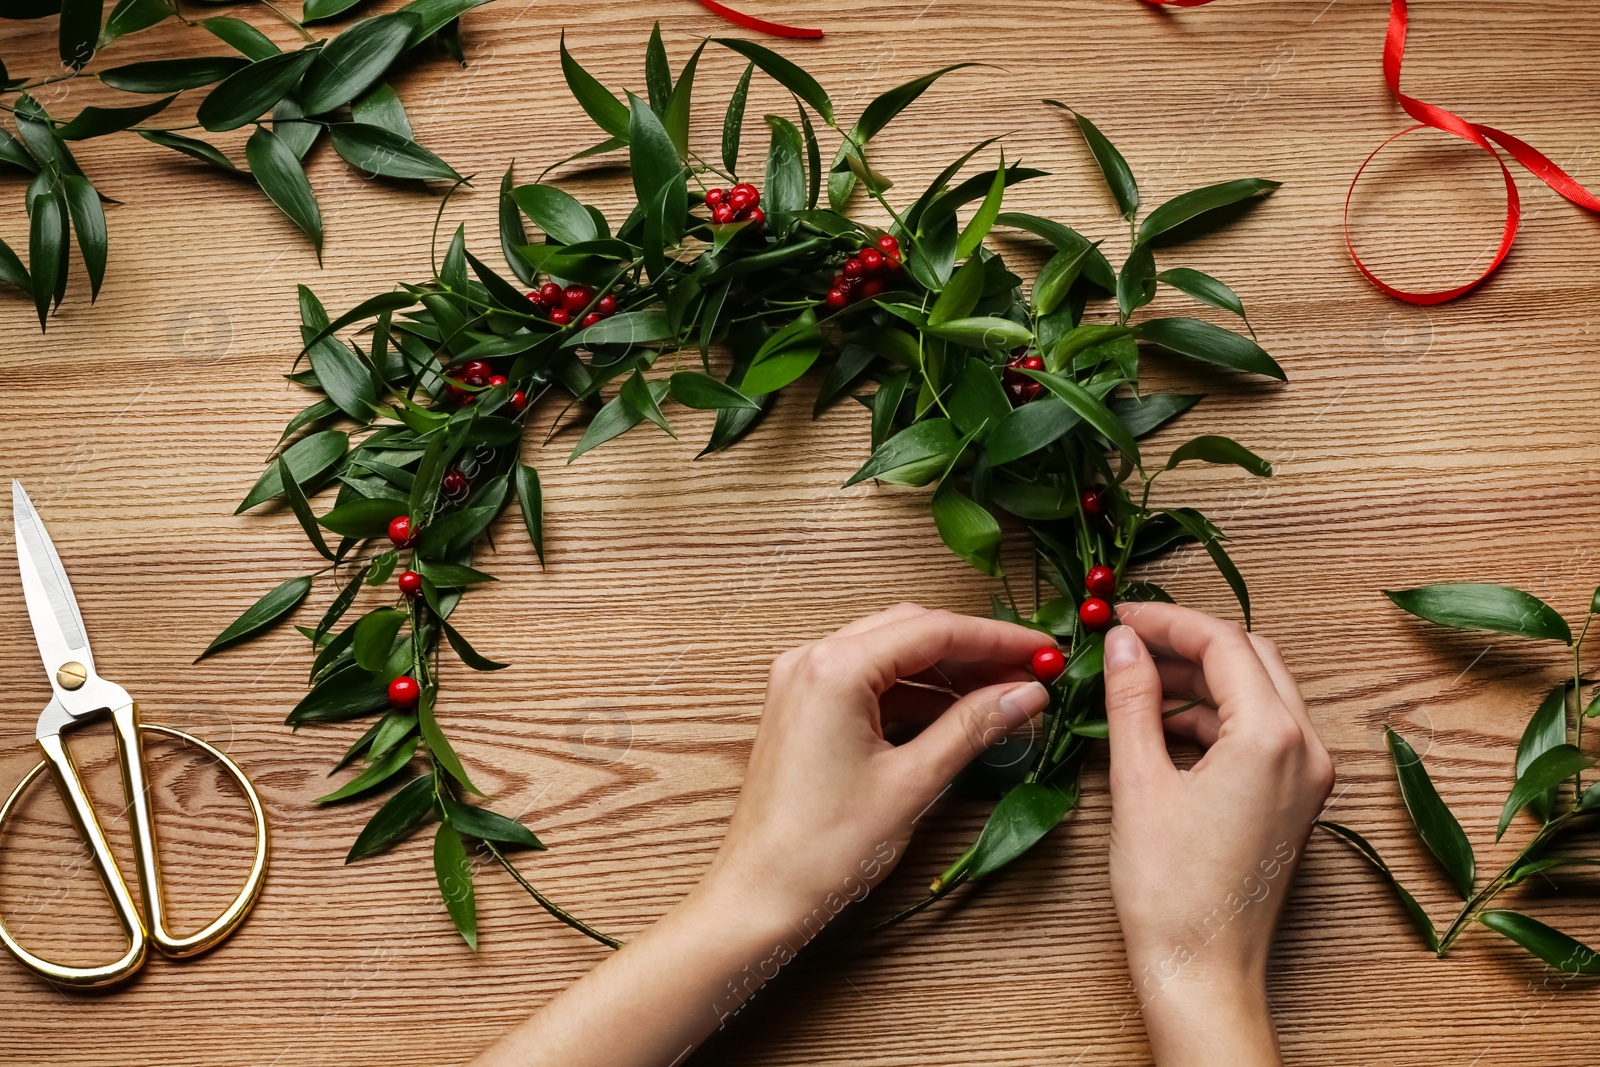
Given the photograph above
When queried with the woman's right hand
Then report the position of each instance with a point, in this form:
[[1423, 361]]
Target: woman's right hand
[[1202, 859]]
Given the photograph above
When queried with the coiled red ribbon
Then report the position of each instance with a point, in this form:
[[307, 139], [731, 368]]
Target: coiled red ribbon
[[1429, 116]]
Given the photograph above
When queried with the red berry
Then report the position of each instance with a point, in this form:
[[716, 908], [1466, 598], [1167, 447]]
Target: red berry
[[871, 260], [404, 692], [870, 288], [891, 264], [748, 190], [889, 245], [560, 316], [575, 298], [851, 268], [400, 532], [590, 319], [1048, 663], [497, 379], [550, 294], [410, 583], [837, 299], [1101, 581], [607, 306], [757, 217], [722, 215], [1094, 613], [1094, 503], [839, 282], [454, 483], [714, 197], [518, 401], [1032, 363], [739, 200]]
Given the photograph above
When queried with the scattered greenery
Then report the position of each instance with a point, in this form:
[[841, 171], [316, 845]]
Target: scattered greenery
[[725, 318], [331, 86]]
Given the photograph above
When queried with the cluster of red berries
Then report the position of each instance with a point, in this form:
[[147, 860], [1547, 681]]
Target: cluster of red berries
[[561, 305], [736, 205], [404, 691], [1018, 386], [479, 375], [1101, 585], [861, 276]]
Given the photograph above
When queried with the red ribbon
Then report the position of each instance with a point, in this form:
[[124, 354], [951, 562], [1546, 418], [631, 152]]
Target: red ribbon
[[750, 22], [1485, 137]]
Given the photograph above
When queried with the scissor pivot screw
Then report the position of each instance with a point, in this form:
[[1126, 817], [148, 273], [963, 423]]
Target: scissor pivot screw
[[72, 675]]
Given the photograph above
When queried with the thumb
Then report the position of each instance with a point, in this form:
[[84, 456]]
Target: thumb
[[1133, 712], [977, 721]]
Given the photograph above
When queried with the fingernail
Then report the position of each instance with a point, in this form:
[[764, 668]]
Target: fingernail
[[1122, 648], [1019, 705]]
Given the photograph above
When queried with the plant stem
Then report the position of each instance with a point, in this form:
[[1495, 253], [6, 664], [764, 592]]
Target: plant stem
[[549, 905], [1577, 702], [290, 19]]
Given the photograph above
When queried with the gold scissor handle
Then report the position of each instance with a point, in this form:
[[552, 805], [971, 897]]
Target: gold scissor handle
[[151, 926]]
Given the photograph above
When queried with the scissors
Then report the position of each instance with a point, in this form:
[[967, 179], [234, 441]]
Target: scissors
[[81, 694]]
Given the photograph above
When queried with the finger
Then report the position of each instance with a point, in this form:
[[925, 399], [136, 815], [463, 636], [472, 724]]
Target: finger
[[1288, 688], [872, 622], [964, 677], [1199, 724], [908, 647], [913, 706], [1180, 678], [970, 725], [1234, 673], [1133, 713]]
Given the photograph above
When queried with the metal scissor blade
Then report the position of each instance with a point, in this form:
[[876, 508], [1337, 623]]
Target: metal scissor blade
[[57, 623]]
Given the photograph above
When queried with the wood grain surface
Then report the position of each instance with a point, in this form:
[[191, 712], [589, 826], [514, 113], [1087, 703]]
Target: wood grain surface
[[1412, 446]]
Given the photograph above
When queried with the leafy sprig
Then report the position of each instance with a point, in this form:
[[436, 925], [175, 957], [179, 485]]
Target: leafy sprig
[[329, 87], [1014, 406], [1547, 781]]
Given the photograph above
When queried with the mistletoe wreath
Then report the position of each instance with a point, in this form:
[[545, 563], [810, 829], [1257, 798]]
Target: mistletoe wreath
[[1008, 404]]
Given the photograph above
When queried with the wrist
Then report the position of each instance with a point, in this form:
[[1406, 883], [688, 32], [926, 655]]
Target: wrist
[[1207, 1019]]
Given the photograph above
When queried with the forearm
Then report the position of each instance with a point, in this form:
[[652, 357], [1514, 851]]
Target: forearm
[[658, 997], [1196, 1021]]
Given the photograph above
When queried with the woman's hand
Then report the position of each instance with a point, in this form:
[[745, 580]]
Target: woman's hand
[[827, 808], [1202, 859]]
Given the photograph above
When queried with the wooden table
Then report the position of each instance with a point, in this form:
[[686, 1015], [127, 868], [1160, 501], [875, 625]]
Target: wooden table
[[1411, 446]]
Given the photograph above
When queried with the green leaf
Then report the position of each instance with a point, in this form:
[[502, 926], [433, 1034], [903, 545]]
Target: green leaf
[[438, 745], [99, 121], [302, 509], [320, 10], [1204, 288], [270, 609], [347, 693], [977, 398], [399, 815], [489, 826], [675, 116], [1144, 415], [174, 75], [374, 639], [341, 604], [914, 456], [342, 374], [1186, 206], [968, 529], [1206, 534], [1213, 449], [1419, 918], [625, 328], [454, 874], [12, 272], [189, 146], [1475, 606], [1029, 428], [47, 249], [380, 106], [435, 15], [375, 150], [960, 296], [657, 170], [363, 518], [1544, 774], [1115, 169], [1091, 410], [615, 419], [878, 114], [993, 334], [606, 110], [1564, 953], [307, 458], [1136, 282], [983, 219], [733, 121], [469, 655], [1065, 239], [89, 222], [1080, 339], [248, 93], [243, 37], [1546, 729], [657, 71], [785, 183], [452, 575], [353, 61], [641, 396], [1023, 816], [277, 170], [784, 356], [557, 213], [784, 73], [1435, 824], [530, 499], [1209, 343], [79, 29], [1057, 276], [693, 389], [131, 16], [376, 774]]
